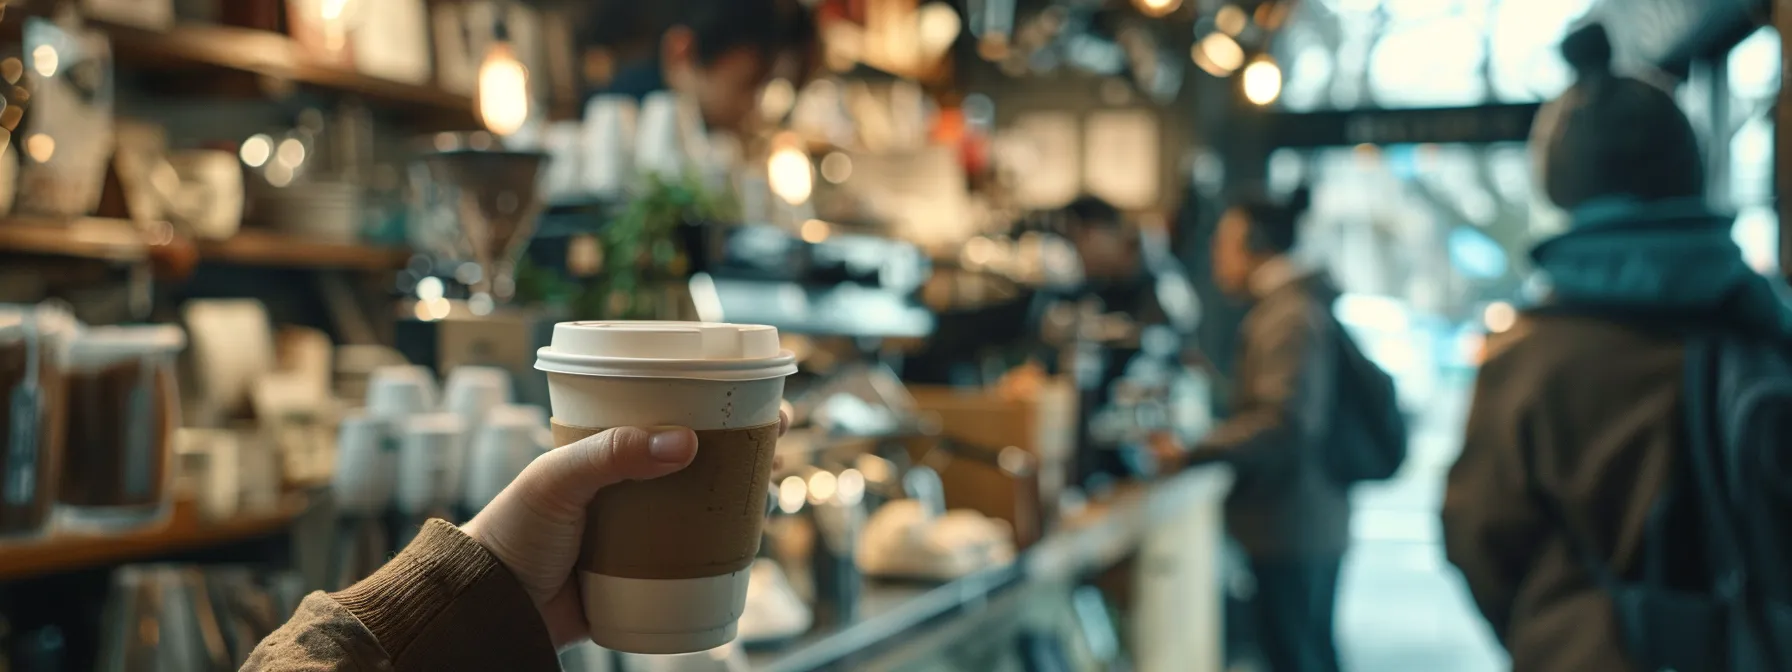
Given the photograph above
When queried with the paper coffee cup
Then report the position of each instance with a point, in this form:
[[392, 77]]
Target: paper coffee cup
[[665, 562], [366, 461], [505, 444]]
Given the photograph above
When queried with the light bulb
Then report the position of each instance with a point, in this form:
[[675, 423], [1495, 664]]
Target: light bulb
[[1499, 316], [256, 150], [41, 147], [789, 174], [1230, 20], [938, 25], [334, 16], [45, 60], [503, 100], [1262, 82], [1158, 7], [334, 10], [815, 231], [822, 486], [290, 153], [777, 98], [1218, 54], [836, 167]]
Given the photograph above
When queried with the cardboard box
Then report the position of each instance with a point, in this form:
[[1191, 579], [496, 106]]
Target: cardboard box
[[1017, 450]]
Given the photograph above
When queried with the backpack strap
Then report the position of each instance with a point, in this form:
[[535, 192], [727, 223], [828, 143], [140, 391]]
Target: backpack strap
[[1711, 483], [1747, 577]]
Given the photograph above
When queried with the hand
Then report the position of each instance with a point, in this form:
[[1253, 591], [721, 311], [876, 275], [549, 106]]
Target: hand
[[535, 526]]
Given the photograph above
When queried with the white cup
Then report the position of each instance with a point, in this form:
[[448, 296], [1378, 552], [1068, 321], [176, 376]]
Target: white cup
[[397, 392], [431, 457], [508, 440], [210, 200], [218, 481], [659, 142], [562, 140], [609, 145], [472, 391], [703, 376], [366, 462]]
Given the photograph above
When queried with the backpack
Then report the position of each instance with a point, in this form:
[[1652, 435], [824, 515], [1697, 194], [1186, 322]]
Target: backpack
[[1735, 488], [1366, 440]]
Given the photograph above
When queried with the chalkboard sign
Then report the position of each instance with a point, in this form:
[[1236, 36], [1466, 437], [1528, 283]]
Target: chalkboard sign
[[1452, 125]]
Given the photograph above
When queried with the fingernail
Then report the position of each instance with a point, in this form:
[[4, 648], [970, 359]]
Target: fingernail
[[673, 445]]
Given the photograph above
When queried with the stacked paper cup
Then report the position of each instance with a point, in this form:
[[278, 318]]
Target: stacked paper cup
[[431, 457], [510, 438], [394, 394], [472, 391], [367, 465]]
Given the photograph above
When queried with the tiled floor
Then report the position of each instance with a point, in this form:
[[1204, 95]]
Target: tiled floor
[[1402, 607]]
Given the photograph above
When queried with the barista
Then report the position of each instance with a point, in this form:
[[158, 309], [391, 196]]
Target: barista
[[1126, 277], [719, 53]]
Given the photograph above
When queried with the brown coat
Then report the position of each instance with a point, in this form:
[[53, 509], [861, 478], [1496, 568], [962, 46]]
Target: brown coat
[[444, 604], [1283, 504], [1583, 412]]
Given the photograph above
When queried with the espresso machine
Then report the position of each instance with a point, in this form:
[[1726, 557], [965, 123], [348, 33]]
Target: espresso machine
[[475, 213]]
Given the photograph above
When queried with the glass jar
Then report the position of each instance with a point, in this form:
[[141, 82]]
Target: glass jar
[[123, 408], [32, 407]]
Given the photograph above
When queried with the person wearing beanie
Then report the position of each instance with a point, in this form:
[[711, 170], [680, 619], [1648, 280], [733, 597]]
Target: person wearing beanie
[[1577, 421]]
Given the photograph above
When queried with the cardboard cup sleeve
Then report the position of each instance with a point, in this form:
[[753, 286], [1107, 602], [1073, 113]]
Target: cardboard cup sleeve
[[703, 521]]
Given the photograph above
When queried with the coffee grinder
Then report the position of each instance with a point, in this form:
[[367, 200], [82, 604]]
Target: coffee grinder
[[475, 214]]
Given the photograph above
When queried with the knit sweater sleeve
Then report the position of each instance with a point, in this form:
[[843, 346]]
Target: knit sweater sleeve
[[444, 603]]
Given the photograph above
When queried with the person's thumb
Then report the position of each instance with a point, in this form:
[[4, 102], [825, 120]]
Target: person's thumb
[[565, 479]]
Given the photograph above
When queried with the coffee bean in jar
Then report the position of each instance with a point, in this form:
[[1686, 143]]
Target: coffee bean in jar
[[123, 407], [31, 421]]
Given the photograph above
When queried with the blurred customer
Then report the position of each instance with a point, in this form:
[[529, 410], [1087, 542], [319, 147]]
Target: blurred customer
[[1565, 510], [719, 53], [1286, 510]]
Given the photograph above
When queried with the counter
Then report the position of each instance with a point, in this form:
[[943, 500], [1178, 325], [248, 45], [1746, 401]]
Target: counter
[[1095, 538]]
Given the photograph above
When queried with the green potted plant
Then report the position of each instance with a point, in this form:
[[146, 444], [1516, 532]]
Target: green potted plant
[[642, 256]]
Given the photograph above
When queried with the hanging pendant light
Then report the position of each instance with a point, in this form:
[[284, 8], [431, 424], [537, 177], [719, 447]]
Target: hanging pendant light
[[502, 98]]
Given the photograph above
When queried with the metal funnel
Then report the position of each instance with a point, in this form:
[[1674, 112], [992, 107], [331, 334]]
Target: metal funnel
[[496, 203]]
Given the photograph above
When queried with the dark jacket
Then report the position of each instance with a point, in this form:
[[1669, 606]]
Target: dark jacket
[[1283, 504], [1584, 412], [445, 604]]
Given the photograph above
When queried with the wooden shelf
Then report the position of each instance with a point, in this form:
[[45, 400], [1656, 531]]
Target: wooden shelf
[[276, 56], [184, 531], [121, 241], [86, 237], [251, 247], [193, 47]]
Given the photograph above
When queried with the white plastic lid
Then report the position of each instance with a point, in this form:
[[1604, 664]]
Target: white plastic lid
[[650, 349]]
